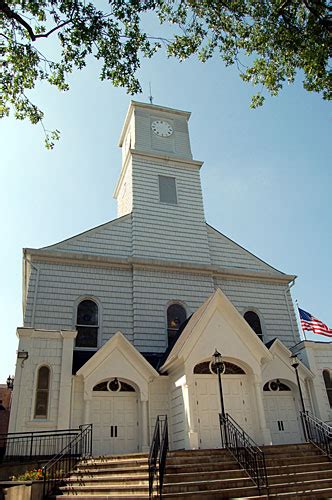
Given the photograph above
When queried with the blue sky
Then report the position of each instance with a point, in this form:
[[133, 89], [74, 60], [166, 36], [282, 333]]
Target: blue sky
[[266, 176]]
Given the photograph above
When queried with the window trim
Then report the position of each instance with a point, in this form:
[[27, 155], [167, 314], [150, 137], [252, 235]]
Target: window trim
[[169, 304], [39, 418], [261, 319], [328, 390], [176, 191], [76, 304]]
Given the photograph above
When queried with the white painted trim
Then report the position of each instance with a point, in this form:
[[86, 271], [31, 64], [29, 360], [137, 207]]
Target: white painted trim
[[72, 258], [36, 372]]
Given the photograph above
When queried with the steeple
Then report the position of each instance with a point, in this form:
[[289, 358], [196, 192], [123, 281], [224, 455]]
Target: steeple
[[160, 183]]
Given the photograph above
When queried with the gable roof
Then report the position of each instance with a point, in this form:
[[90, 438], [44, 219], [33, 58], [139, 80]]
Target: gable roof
[[110, 239], [226, 253], [235, 321]]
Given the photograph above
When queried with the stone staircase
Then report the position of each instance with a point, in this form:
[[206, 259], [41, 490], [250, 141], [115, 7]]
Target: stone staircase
[[122, 476], [295, 472]]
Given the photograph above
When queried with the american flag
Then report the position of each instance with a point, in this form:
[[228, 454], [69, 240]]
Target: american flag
[[309, 322]]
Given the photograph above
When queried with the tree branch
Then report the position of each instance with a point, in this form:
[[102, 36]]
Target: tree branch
[[13, 15]]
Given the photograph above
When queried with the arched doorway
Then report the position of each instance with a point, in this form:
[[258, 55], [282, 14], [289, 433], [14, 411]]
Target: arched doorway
[[114, 415], [236, 399], [281, 414]]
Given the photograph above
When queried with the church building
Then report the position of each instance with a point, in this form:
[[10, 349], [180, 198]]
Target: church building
[[121, 321]]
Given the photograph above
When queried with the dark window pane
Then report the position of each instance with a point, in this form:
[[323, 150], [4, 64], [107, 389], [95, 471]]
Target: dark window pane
[[87, 313], [328, 385], [43, 378], [100, 387], [206, 368], [176, 316], [167, 190], [126, 387], [41, 404], [86, 336], [253, 320]]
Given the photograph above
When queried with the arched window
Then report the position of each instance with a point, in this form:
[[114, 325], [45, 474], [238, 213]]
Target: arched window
[[253, 320], [176, 316], [42, 392], [87, 324], [328, 384]]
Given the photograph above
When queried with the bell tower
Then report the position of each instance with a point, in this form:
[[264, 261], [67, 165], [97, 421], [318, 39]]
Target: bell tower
[[160, 184]]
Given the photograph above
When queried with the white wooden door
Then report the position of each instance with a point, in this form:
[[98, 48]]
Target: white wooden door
[[236, 400], [115, 424], [282, 418]]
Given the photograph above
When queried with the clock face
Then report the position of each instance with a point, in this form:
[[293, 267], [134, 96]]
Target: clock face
[[161, 128]]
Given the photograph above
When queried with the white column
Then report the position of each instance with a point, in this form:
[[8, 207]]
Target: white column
[[87, 408], [264, 431], [64, 408], [145, 425]]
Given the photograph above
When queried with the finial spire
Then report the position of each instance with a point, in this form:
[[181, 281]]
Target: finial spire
[[150, 96]]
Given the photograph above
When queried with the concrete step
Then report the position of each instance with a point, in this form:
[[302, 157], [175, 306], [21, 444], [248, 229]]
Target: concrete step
[[112, 464], [199, 467], [220, 494], [206, 484], [300, 467], [203, 459], [299, 477], [111, 469], [101, 497], [198, 453], [141, 480], [105, 490], [305, 459], [196, 476]]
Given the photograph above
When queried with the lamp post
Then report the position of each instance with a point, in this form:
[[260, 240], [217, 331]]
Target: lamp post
[[10, 383], [218, 363], [295, 363]]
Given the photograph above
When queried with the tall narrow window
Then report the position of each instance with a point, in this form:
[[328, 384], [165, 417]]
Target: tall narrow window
[[87, 324], [167, 190], [42, 392], [328, 385], [176, 316], [253, 320]]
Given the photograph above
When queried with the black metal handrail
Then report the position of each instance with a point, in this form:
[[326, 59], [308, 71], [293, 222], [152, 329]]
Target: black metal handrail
[[27, 446], [244, 450], [61, 464], [317, 432], [157, 456]]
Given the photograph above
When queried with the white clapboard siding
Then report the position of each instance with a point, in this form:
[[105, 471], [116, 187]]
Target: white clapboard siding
[[269, 301], [177, 424], [166, 231], [228, 254], [110, 239], [158, 401], [60, 287], [145, 140], [152, 293]]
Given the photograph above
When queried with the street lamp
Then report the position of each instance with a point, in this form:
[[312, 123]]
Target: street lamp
[[10, 383], [219, 365], [295, 364]]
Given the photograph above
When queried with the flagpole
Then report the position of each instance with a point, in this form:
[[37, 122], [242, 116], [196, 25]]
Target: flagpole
[[297, 305]]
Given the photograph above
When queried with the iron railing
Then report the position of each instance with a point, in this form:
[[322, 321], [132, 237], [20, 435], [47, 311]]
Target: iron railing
[[317, 432], [39, 445], [157, 457], [62, 464], [244, 450]]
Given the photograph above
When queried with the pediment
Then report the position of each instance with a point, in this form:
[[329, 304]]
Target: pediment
[[280, 366], [118, 358], [218, 325]]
